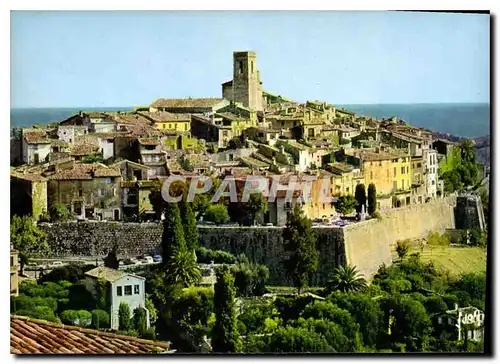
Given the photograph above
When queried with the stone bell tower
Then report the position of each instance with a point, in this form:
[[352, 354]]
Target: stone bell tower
[[247, 87]]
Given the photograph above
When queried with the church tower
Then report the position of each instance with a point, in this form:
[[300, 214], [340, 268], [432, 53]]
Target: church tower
[[247, 87]]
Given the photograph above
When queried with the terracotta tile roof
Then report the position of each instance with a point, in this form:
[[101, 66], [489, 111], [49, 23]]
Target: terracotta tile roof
[[36, 138], [31, 336], [167, 116], [84, 171], [109, 274], [32, 177], [148, 141], [83, 149], [59, 143], [187, 103]]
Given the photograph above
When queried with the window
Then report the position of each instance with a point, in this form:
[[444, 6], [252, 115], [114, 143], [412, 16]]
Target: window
[[128, 290], [394, 171], [403, 184], [11, 261], [324, 206], [136, 289], [407, 169], [402, 170], [371, 174], [80, 192], [433, 182], [394, 185], [251, 66], [419, 165], [388, 174], [240, 67], [119, 291]]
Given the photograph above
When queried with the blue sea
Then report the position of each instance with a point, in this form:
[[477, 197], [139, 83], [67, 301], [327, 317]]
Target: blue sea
[[463, 120]]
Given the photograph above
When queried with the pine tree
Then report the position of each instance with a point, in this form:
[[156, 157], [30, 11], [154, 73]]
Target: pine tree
[[225, 336], [111, 260], [372, 198], [360, 196], [173, 233], [300, 242]]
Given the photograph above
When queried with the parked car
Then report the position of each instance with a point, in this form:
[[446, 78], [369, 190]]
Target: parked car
[[157, 258], [147, 260], [56, 264]]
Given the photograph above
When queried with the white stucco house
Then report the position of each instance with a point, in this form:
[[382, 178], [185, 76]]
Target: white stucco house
[[124, 287], [430, 165], [461, 321]]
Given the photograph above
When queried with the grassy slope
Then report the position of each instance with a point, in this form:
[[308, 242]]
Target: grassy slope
[[456, 259]]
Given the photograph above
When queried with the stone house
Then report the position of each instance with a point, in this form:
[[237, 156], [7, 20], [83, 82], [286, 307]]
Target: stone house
[[36, 147], [430, 168], [164, 120], [263, 135], [88, 190], [418, 180], [152, 156], [28, 194], [460, 322], [344, 179], [123, 287], [81, 150], [211, 129], [195, 106], [389, 170], [69, 133]]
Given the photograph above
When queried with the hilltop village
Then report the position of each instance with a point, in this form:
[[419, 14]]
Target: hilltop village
[[246, 276], [104, 165]]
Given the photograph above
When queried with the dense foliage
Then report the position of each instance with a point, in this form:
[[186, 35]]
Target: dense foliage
[[225, 336], [345, 205], [300, 246]]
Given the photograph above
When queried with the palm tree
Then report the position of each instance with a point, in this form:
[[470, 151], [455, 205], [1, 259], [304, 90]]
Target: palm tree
[[346, 279], [183, 269]]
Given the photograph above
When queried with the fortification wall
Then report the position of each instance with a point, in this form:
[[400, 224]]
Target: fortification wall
[[366, 244]]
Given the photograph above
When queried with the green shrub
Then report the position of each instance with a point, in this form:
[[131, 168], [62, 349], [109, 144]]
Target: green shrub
[[84, 318], [124, 320], [206, 256], [100, 319], [149, 334], [217, 213], [139, 320], [69, 317], [21, 302]]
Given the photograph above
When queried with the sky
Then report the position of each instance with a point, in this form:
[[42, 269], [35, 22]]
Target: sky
[[115, 59]]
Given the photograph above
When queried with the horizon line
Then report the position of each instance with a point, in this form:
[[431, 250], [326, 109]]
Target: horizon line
[[384, 103]]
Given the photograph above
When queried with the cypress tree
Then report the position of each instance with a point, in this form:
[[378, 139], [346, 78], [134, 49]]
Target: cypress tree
[[189, 223], [225, 336], [173, 233], [139, 320], [124, 317], [372, 198], [300, 242], [360, 196]]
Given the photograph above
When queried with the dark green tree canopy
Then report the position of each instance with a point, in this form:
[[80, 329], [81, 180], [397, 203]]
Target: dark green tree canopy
[[300, 246]]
